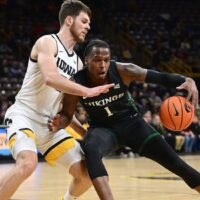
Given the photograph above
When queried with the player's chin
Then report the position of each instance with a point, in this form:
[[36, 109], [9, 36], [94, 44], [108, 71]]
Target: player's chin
[[81, 39], [102, 76]]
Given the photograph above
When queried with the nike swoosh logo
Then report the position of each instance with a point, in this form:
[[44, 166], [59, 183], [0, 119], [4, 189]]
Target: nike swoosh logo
[[176, 111], [117, 86], [84, 97]]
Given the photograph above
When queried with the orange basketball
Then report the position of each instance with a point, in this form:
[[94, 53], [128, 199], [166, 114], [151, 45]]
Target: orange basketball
[[176, 113]]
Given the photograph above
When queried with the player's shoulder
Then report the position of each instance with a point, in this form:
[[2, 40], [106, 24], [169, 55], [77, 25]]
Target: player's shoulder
[[45, 43], [81, 75], [81, 72], [45, 39], [113, 65]]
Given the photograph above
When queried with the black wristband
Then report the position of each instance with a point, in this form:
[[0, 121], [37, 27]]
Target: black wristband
[[165, 79]]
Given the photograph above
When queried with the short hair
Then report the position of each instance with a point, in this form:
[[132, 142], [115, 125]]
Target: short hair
[[94, 43], [72, 8]]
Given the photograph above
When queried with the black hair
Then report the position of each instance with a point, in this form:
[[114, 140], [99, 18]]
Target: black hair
[[94, 43]]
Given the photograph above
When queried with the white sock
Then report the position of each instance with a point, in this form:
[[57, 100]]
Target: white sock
[[68, 196]]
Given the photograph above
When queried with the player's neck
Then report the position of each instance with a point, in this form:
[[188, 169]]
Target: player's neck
[[66, 39], [97, 82]]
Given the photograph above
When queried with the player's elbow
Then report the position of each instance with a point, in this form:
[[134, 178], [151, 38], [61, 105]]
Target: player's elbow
[[49, 79]]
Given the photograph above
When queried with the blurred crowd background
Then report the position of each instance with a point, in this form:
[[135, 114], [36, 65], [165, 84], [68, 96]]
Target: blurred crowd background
[[157, 34]]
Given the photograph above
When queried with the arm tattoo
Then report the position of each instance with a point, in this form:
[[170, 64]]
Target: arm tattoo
[[133, 72]]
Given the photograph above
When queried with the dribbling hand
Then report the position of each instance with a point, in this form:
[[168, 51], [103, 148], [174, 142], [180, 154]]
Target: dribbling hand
[[191, 88]]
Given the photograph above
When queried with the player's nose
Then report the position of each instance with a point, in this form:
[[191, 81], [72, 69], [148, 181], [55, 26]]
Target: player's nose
[[88, 27]]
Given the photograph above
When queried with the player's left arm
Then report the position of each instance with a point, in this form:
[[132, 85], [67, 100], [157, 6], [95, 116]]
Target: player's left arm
[[177, 81], [64, 118], [77, 126], [130, 72]]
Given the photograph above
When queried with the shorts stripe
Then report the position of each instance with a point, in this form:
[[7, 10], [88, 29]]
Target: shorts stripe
[[12, 140], [12, 136], [72, 132], [146, 141], [58, 149], [28, 132]]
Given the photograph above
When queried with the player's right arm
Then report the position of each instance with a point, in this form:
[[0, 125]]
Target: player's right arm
[[44, 51]]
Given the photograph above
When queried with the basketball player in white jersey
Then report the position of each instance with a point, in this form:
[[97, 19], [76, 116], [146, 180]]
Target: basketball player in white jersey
[[52, 62]]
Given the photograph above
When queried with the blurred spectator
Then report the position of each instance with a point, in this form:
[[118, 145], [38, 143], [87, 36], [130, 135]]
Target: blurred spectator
[[147, 116], [195, 128], [189, 140], [4, 104]]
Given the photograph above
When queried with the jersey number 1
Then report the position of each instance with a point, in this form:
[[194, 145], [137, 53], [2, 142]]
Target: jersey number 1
[[109, 113]]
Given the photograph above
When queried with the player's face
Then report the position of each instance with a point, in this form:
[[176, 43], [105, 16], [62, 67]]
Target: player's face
[[98, 62], [80, 27]]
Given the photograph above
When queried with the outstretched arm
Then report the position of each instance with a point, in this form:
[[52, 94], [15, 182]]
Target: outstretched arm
[[44, 51], [130, 72]]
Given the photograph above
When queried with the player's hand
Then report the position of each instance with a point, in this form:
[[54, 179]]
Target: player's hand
[[99, 89], [53, 123], [191, 88]]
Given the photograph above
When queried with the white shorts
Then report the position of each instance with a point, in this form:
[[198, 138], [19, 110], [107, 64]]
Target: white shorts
[[26, 134]]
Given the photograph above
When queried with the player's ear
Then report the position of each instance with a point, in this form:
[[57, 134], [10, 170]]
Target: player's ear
[[85, 61], [69, 20]]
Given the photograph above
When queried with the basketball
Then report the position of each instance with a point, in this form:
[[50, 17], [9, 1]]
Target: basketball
[[176, 113]]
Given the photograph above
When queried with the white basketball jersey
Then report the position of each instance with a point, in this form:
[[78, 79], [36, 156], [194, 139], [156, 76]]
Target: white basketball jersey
[[38, 101]]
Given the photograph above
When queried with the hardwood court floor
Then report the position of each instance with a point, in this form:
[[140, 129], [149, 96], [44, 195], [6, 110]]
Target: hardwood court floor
[[130, 179]]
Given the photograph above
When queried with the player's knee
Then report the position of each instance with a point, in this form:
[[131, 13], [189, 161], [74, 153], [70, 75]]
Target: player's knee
[[26, 169], [79, 172], [93, 156], [26, 164], [91, 150], [84, 177], [84, 174]]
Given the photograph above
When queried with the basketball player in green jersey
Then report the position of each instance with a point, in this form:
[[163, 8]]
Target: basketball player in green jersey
[[115, 120], [52, 62]]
